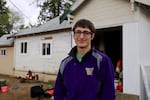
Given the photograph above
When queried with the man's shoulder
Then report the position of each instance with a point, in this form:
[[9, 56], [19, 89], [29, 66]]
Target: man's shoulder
[[100, 54], [67, 59], [64, 62]]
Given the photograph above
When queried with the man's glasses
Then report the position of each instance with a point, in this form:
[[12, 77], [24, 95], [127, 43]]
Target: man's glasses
[[85, 33]]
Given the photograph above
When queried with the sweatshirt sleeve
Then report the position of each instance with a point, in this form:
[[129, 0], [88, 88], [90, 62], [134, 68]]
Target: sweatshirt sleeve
[[59, 89], [107, 91]]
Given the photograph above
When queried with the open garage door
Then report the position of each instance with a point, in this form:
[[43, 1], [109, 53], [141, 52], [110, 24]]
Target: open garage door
[[109, 41]]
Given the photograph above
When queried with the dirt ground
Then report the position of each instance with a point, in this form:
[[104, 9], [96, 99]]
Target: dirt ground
[[21, 91]]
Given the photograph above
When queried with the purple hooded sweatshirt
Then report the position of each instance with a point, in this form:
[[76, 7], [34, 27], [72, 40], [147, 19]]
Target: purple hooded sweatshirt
[[90, 79]]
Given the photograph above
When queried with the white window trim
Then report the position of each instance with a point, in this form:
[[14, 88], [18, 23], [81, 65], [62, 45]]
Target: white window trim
[[46, 41], [27, 47]]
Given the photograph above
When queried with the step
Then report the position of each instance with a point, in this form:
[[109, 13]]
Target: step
[[125, 96]]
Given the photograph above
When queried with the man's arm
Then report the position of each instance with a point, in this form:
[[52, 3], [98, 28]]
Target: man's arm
[[59, 89], [107, 91]]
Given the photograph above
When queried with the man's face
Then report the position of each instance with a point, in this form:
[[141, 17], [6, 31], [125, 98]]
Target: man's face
[[83, 37]]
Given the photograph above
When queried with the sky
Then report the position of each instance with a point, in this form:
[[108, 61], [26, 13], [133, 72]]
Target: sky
[[27, 9]]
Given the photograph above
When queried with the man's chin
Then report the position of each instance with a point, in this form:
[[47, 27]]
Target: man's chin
[[82, 47]]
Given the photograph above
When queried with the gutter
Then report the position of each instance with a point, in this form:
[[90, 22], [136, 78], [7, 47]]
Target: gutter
[[145, 2]]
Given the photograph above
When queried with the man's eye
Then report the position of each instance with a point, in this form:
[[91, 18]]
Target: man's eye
[[86, 32]]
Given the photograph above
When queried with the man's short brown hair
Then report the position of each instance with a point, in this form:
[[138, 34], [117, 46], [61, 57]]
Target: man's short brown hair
[[85, 24]]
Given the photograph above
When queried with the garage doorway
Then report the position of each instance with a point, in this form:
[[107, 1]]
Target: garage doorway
[[109, 41]]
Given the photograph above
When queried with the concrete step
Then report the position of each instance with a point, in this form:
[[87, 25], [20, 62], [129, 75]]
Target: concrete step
[[124, 96]]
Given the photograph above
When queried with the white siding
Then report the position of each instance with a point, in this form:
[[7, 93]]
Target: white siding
[[61, 44], [136, 50], [106, 12], [144, 36]]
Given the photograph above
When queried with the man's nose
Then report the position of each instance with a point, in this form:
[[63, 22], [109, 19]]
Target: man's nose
[[81, 35]]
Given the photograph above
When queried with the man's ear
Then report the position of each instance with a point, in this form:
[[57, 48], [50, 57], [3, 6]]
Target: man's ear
[[92, 36]]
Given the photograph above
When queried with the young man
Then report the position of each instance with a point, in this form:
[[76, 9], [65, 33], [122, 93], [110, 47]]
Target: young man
[[86, 74]]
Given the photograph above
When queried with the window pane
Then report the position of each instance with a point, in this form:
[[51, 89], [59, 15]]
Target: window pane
[[22, 47], [25, 47], [43, 48], [48, 48], [4, 52]]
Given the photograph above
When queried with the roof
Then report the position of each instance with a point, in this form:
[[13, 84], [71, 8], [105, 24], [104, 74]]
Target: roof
[[6, 40], [51, 25], [146, 2], [72, 8]]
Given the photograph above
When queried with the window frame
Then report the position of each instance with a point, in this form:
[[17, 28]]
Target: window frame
[[23, 47], [3, 51], [46, 53]]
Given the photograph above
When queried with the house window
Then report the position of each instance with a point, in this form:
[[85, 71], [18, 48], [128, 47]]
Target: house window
[[3, 52], [46, 48], [24, 47]]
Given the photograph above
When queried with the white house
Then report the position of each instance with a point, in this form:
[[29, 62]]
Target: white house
[[125, 28], [40, 49]]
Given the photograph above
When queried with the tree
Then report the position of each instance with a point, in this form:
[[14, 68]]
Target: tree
[[4, 18], [15, 20], [52, 8]]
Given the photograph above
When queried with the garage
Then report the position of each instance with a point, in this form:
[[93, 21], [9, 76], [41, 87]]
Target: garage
[[109, 41]]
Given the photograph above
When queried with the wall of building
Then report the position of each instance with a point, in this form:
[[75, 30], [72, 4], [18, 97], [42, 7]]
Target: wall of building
[[106, 13], [144, 35], [61, 44], [7, 61], [144, 40], [136, 39]]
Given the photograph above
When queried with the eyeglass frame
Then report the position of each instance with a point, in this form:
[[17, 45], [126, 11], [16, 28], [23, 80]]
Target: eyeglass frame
[[85, 33]]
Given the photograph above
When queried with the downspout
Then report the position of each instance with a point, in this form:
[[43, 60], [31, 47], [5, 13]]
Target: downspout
[[132, 5], [72, 39]]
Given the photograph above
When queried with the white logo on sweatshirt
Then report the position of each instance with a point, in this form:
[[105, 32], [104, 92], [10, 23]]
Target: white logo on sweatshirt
[[89, 71]]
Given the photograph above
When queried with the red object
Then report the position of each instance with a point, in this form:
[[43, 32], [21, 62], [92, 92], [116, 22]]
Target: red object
[[4, 89], [119, 64], [51, 92], [119, 87]]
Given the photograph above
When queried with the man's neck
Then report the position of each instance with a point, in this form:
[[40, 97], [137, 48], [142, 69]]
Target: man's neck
[[82, 51]]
